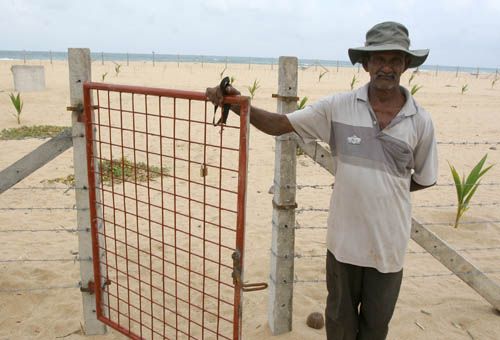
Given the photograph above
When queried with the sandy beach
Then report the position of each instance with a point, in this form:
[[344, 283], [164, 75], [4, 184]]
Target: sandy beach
[[40, 299]]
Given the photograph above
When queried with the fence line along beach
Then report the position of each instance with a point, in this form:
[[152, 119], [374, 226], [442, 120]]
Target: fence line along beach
[[40, 285], [125, 57]]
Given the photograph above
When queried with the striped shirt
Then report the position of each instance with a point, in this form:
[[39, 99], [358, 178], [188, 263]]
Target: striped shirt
[[369, 219]]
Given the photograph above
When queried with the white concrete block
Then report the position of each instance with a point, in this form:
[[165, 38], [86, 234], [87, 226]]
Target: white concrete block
[[28, 77]]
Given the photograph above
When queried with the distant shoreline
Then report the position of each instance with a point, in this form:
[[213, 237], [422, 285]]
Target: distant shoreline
[[134, 57]]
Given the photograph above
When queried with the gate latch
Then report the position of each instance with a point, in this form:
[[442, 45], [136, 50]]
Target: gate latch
[[246, 287]]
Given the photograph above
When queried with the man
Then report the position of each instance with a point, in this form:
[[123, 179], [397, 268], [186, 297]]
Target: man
[[384, 146]]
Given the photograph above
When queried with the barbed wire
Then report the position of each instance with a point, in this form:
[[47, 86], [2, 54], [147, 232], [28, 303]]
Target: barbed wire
[[479, 184], [465, 222], [22, 290], [452, 205], [42, 208], [72, 259], [57, 230], [481, 204], [298, 225], [468, 142], [412, 276], [48, 188]]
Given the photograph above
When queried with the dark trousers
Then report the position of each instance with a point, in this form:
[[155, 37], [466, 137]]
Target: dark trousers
[[360, 301]]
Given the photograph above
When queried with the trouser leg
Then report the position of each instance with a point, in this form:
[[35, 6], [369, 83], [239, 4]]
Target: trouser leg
[[378, 299], [344, 291]]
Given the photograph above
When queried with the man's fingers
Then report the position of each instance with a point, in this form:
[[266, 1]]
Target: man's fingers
[[230, 90], [214, 94]]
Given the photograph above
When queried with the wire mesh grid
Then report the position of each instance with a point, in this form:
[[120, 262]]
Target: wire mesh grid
[[167, 206]]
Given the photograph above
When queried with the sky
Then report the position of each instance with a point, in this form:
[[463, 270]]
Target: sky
[[457, 32]]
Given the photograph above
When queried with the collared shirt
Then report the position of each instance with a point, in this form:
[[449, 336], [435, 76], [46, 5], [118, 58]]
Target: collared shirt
[[369, 221]]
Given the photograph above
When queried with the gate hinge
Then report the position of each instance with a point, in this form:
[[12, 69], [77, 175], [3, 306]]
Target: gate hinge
[[91, 286], [246, 287], [89, 289]]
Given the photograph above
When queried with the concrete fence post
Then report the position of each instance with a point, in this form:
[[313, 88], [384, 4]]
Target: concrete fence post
[[283, 221], [80, 71]]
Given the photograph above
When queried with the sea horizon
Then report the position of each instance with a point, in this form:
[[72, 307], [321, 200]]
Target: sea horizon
[[26, 55]]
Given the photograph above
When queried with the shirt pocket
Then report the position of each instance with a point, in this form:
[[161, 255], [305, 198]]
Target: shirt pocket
[[398, 155]]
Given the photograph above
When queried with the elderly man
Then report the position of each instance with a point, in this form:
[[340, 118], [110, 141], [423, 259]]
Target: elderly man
[[384, 147]]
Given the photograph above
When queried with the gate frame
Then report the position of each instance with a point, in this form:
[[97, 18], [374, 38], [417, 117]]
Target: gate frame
[[238, 261]]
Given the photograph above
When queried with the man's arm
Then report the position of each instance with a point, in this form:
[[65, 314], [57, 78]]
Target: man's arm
[[268, 122], [414, 186], [274, 124]]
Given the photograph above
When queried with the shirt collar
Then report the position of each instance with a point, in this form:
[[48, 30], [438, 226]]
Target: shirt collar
[[408, 109]]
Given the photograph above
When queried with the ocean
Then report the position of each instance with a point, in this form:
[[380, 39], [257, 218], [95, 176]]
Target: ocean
[[157, 57]]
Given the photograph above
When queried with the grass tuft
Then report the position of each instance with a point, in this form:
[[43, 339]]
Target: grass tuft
[[37, 131], [119, 170]]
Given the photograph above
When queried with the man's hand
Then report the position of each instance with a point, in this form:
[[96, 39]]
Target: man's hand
[[215, 95]]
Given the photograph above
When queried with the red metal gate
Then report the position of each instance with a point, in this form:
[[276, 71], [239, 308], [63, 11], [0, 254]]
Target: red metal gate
[[167, 193]]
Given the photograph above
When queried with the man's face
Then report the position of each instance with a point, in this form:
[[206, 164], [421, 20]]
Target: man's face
[[385, 69]]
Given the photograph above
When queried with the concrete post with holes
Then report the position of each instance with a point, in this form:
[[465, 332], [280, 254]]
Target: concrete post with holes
[[283, 221], [80, 71]]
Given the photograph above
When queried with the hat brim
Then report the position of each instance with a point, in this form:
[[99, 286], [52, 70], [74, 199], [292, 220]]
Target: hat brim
[[417, 57]]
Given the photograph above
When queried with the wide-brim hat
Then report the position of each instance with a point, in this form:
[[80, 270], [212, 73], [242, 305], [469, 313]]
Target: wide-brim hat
[[388, 36]]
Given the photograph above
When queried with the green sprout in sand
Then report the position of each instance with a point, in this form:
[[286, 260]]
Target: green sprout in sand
[[321, 74], [302, 103], [493, 82], [465, 87], [466, 187], [103, 76], [415, 88], [411, 78], [222, 73], [117, 69], [354, 80], [18, 105], [252, 89]]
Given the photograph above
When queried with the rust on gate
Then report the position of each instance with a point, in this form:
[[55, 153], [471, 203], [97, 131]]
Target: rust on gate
[[167, 202]]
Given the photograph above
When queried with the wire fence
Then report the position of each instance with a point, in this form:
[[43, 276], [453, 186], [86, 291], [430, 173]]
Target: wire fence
[[301, 254], [484, 253]]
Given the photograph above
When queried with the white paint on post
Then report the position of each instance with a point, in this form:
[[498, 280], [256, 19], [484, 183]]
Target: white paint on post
[[79, 72], [283, 222]]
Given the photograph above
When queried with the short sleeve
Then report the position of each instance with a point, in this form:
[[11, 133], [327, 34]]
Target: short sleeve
[[314, 121], [425, 157]]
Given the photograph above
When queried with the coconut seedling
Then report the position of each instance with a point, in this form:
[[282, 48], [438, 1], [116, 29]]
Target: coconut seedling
[[466, 187], [252, 89], [321, 74], [493, 82], [465, 88], [17, 102], [354, 80], [222, 73], [302, 103], [411, 78], [117, 69], [415, 88]]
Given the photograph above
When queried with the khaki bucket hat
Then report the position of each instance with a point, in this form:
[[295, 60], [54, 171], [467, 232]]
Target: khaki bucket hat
[[388, 36]]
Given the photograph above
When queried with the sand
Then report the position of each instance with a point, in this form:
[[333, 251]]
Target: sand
[[432, 304]]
